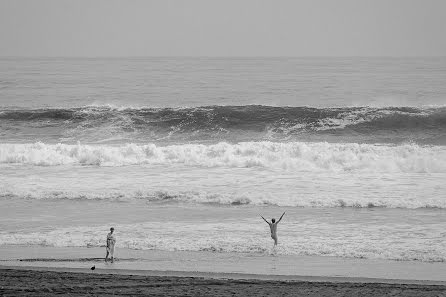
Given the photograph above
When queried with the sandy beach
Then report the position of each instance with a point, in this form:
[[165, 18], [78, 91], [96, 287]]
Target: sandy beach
[[46, 271], [36, 282], [212, 264]]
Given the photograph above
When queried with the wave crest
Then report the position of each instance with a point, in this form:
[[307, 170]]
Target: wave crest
[[231, 123]]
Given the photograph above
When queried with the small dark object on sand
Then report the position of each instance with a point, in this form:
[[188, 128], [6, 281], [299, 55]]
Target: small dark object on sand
[[93, 268]]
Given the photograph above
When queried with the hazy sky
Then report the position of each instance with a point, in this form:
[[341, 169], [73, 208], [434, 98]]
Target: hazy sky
[[223, 28]]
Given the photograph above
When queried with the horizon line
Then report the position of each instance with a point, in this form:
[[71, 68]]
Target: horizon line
[[213, 56]]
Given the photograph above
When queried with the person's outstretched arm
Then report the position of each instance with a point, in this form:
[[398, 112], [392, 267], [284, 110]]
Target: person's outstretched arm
[[281, 217], [265, 220]]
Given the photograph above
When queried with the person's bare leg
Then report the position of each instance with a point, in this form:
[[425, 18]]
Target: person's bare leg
[[106, 257]]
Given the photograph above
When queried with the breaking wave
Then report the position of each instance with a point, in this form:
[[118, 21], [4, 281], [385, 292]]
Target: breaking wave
[[95, 124], [293, 156]]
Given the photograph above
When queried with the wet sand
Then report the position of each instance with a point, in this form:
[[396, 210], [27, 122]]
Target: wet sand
[[46, 271], [36, 282], [211, 264]]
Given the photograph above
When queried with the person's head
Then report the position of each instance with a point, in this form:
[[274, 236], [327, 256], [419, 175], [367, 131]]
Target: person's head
[[273, 220], [112, 229]]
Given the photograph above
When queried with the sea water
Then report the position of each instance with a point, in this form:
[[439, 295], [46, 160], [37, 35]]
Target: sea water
[[185, 154]]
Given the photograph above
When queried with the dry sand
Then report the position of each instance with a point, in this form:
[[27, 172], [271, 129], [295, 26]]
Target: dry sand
[[22, 282]]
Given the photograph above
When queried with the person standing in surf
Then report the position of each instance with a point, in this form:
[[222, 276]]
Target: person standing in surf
[[273, 227], [110, 248]]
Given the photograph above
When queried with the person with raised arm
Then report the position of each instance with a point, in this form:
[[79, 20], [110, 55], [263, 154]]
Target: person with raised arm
[[273, 227]]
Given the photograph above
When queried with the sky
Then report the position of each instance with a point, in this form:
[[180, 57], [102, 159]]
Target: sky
[[113, 28]]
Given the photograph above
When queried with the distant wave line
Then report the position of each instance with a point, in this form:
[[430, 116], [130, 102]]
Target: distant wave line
[[258, 122]]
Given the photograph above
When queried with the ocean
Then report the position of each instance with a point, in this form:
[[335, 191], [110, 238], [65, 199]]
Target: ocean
[[185, 154]]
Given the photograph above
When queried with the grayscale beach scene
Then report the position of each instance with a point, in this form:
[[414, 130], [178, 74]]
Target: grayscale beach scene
[[182, 155]]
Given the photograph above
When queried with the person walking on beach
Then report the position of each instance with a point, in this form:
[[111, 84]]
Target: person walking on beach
[[111, 240], [273, 227]]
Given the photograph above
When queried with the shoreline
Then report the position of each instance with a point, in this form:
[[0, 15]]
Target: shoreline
[[221, 265]]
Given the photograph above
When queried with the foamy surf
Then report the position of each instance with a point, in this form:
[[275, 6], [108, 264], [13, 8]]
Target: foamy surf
[[169, 197], [250, 237], [291, 156]]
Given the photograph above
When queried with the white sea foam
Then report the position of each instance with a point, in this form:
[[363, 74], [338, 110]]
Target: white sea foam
[[347, 118], [352, 118], [323, 239], [309, 200], [293, 156]]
